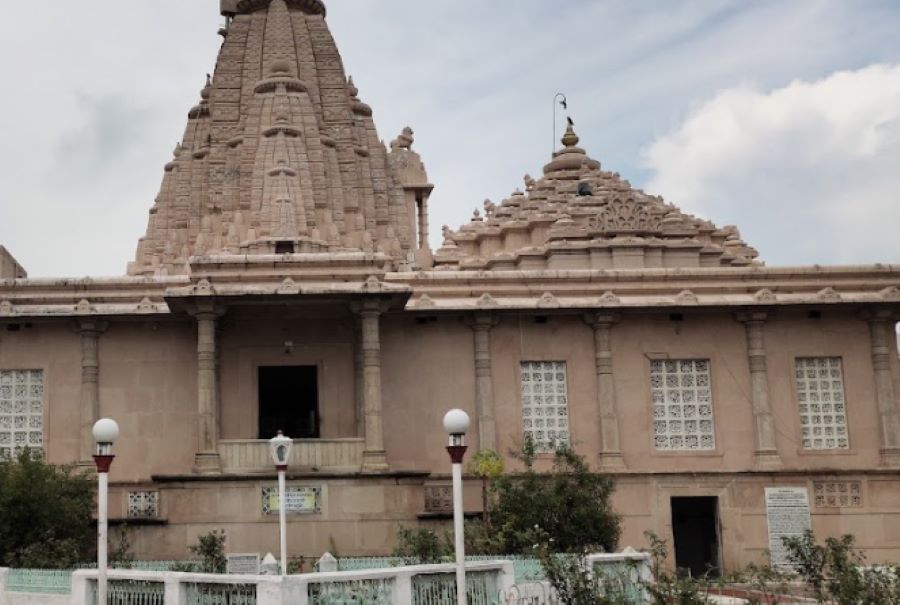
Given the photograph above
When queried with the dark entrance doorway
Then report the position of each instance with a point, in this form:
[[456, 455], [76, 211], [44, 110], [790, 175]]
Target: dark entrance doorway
[[289, 401], [695, 528]]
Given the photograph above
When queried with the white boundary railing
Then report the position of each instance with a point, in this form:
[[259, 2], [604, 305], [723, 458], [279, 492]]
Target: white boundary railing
[[286, 590]]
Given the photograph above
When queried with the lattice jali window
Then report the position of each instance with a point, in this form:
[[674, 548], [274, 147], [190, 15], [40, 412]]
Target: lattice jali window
[[143, 505], [545, 412], [682, 405], [438, 499], [838, 494], [820, 401], [21, 411]]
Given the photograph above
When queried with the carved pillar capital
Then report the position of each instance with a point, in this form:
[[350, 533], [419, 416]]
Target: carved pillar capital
[[206, 309], [600, 319], [753, 316], [482, 320], [90, 325]]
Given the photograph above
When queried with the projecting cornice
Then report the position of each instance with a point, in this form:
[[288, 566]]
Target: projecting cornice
[[236, 279], [653, 288]]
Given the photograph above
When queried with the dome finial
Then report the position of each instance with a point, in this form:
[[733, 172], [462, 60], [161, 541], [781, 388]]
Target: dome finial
[[570, 139]]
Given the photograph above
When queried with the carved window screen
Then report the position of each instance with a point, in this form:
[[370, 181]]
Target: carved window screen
[[821, 404], [682, 405], [545, 412], [143, 505], [838, 494], [21, 412]]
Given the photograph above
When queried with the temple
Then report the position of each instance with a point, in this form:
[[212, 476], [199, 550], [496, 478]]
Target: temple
[[285, 282]]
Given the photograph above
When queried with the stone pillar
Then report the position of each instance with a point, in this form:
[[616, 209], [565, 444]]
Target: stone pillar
[[881, 330], [482, 323], [359, 400], [766, 451], [423, 219], [89, 330], [374, 456], [610, 446], [206, 459]]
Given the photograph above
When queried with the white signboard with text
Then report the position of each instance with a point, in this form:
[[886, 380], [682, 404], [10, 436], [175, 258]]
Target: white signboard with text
[[787, 511], [242, 564], [298, 500]]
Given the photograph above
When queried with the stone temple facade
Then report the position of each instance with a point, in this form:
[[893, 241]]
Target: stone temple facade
[[285, 281]]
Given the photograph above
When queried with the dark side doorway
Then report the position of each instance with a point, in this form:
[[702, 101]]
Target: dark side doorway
[[288, 401], [695, 529]]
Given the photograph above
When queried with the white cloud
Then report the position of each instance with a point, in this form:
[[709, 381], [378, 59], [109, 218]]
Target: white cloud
[[97, 97], [810, 171]]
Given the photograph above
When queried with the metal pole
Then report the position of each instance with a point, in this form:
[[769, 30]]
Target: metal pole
[[564, 103], [459, 535], [103, 480], [282, 521]]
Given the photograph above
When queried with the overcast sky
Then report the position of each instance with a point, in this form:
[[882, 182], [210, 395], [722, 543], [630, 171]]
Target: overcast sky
[[780, 117]]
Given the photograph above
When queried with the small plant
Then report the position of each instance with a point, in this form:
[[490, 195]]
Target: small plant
[[297, 565], [668, 588], [120, 554], [487, 465], [836, 572], [210, 547], [422, 545]]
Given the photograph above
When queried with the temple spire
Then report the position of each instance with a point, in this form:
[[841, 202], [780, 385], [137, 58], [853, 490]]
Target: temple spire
[[280, 154]]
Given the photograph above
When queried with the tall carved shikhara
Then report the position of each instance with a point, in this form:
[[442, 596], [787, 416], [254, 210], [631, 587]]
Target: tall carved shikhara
[[280, 155]]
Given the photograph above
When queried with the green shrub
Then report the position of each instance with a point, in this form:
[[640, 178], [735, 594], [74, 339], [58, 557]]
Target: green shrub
[[45, 514]]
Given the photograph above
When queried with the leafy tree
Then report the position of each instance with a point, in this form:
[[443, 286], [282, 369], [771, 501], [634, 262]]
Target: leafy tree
[[571, 504], [45, 514]]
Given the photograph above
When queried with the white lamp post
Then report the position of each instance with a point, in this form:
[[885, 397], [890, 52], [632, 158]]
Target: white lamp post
[[106, 431], [456, 423], [280, 446]]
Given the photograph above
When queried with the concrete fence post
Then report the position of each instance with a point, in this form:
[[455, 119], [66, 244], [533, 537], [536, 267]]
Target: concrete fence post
[[403, 588], [295, 590], [269, 592], [4, 582], [174, 590], [81, 587], [507, 577]]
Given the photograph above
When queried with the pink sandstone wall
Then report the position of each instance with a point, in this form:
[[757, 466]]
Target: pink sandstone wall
[[148, 383], [427, 369]]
